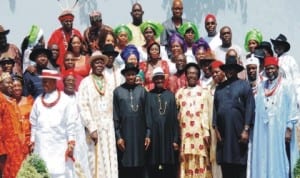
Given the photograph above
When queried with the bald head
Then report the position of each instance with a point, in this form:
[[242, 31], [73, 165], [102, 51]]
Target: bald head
[[177, 9], [177, 2]]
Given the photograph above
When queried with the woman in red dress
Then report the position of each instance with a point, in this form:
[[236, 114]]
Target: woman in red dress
[[82, 64]]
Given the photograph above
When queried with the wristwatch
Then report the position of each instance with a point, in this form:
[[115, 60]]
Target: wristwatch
[[246, 129]]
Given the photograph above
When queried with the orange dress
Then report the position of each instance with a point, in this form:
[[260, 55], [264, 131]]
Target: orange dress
[[25, 106], [10, 144]]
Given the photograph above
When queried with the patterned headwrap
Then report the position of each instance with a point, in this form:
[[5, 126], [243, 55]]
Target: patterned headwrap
[[35, 35], [123, 28], [200, 43], [186, 26], [156, 27], [253, 35], [128, 50], [176, 37]]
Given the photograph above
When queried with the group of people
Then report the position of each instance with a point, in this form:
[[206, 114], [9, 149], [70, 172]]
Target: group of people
[[149, 99]]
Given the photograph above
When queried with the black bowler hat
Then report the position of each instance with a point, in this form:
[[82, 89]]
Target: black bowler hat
[[281, 40], [130, 67], [231, 63]]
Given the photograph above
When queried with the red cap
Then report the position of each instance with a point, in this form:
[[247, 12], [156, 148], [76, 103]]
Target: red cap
[[68, 72], [66, 15], [216, 64], [210, 16], [270, 61]]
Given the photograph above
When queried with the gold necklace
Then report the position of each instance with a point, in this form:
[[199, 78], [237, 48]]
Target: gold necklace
[[161, 110], [134, 108]]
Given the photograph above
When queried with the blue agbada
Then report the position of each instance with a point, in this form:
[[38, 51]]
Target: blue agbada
[[273, 115]]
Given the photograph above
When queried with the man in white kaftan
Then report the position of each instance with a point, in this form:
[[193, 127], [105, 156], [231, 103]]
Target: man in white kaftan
[[52, 126], [95, 96], [80, 168]]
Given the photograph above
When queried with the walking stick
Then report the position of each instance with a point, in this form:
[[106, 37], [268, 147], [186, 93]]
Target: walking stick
[[96, 160]]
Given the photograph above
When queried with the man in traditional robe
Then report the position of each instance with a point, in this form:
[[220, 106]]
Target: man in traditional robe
[[132, 127], [81, 167], [52, 126], [95, 96], [288, 65], [195, 111], [275, 121], [62, 35], [161, 110], [92, 33], [232, 118], [253, 76]]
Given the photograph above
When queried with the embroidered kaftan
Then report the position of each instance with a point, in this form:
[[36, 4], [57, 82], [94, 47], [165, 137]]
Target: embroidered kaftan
[[273, 115], [96, 112]]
